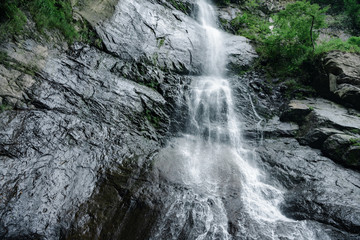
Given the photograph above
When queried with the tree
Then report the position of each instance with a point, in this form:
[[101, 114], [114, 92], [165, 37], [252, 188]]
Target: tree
[[294, 34]]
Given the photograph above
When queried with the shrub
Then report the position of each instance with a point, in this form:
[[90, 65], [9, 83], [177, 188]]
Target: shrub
[[351, 45], [293, 37], [47, 14], [251, 26], [54, 14], [12, 20]]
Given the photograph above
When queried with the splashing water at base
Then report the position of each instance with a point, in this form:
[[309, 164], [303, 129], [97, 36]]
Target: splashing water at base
[[216, 170]]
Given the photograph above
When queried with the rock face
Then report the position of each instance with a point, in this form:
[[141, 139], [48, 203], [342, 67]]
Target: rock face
[[240, 53], [75, 121], [149, 32], [83, 136], [80, 120], [317, 188], [329, 127], [339, 77]]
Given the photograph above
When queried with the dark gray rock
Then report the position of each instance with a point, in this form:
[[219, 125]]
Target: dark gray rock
[[349, 93], [329, 127], [332, 114], [240, 53], [274, 128], [295, 111], [338, 77], [339, 147], [314, 136], [84, 120], [318, 189]]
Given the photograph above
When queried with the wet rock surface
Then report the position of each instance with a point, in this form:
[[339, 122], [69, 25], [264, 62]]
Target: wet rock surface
[[150, 32], [84, 143], [78, 119], [317, 188]]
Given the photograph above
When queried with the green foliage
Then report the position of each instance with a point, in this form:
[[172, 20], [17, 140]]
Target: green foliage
[[351, 45], [3, 57], [335, 5], [355, 130], [153, 119], [222, 2], [5, 107], [251, 26], [352, 8], [152, 84], [295, 89], [293, 36], [47, 14], [179, 5], [355, 141], [54, 14], [12, 20]]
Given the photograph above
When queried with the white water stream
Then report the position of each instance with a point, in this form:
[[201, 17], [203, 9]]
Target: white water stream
[[211, 161]]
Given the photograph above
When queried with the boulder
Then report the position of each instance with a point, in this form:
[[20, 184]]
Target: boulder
[[315, 136], [349, 94], [240, 53], [343, 149], [328, 126], [339, 77], [295, 111]]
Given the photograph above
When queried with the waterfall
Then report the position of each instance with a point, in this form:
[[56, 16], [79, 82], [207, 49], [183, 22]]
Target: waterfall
[[211, 161]]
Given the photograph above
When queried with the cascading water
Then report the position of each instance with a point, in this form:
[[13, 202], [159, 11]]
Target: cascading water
[[226, 195]]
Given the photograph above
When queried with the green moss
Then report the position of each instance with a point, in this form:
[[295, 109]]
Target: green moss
[[152, 118], [160, 42], [355, 141], [179, 6], [355, 130], [5, 107]]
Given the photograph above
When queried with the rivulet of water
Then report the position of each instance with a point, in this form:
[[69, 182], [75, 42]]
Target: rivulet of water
[[227, 196]]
